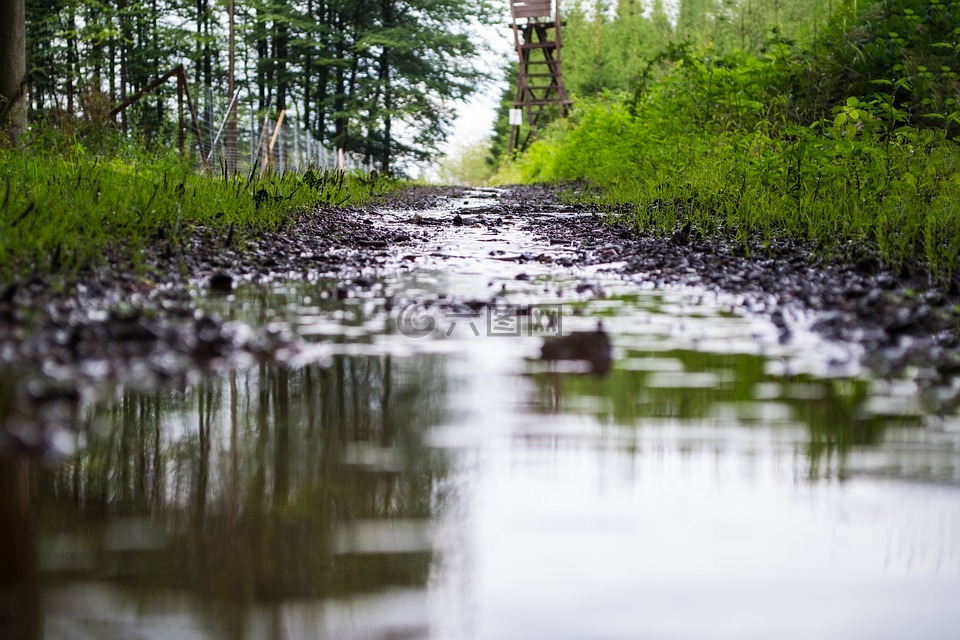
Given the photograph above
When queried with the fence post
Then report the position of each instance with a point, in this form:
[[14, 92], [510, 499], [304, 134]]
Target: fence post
[[296, 149]]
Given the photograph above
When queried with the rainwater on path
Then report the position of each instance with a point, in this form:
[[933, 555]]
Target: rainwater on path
[[415, 470]]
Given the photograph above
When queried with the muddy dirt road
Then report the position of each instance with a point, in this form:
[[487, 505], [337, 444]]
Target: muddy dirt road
[[349, 429], [115, 319]]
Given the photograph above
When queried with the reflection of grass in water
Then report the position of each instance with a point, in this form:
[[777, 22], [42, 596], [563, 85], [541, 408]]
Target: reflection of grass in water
[[612, 306], [835, 422], [252, 494]]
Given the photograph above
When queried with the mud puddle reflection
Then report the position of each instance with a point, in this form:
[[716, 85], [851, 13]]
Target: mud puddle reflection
[[418, 472]]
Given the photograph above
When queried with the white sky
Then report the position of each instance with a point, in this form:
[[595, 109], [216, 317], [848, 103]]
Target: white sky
[[475, 117]]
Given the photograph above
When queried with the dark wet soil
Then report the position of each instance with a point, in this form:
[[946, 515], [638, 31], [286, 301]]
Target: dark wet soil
[[119, 319], [900, 319]]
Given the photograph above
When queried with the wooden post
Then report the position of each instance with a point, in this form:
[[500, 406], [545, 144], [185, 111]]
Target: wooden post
[[264, 142], [183, 90], [276, 131]]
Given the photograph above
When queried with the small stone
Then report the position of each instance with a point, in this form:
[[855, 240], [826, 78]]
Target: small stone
[[220, 282]]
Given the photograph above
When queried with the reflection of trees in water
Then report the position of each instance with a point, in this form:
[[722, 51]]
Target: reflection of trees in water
[[250, 478], [19, 590], [831, 411]]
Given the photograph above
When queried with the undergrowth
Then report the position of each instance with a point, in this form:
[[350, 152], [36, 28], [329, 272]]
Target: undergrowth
[[735, 147], [60, 215]]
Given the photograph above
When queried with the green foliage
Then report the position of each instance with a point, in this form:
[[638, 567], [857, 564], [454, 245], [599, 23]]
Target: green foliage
[[715, 143], [607, 45], [59, 215], [467, 165], [912, 44], [626, 45]]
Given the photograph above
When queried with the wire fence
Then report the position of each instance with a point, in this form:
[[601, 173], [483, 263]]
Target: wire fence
[[267, 145]]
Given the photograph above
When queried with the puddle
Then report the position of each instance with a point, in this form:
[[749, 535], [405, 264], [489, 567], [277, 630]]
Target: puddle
[[418, 472]]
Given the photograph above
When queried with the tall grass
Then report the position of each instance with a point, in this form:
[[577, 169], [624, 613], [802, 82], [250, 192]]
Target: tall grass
[[59, 215], [721, 143]]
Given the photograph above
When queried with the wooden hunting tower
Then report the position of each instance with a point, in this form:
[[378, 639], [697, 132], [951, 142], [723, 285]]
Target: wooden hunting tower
[[540, 91]]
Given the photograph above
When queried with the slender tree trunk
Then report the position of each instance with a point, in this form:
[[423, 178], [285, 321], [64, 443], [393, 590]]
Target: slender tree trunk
[[387, 10], [124, 66], [387, 107], [351, 88], [323, 77], [230, 139], [198, 53], [156, 61], [340, 92], [72, 70], [307, 73], [281, 450], [208, 67], [111, 63], [13, 71], [96, 56], [320, 114], [280, 38], [262, 60]]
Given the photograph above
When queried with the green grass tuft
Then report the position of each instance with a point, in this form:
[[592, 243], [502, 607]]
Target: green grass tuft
[[60, 215]]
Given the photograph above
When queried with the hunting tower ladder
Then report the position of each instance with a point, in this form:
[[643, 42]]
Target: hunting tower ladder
[[540, 90]]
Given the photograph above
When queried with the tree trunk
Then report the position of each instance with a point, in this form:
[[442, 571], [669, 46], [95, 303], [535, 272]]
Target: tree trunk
[[72, 62], [124, 66], [387, 107], [230, 137], [13, 71], [387, 10], [262, 61], [340, 92], [280, 38]]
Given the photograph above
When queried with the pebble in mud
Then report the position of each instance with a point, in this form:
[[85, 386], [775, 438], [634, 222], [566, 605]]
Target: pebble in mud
[[220, 282]]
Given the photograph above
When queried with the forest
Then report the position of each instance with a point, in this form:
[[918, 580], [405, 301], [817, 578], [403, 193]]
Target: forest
[[353, 73]]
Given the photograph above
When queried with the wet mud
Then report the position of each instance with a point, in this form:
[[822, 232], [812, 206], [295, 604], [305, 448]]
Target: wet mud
[[899, 319], [123, 321]]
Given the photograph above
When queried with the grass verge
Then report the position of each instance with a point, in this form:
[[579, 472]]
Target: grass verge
[[765, 146], [61, 216], [851, 190]]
